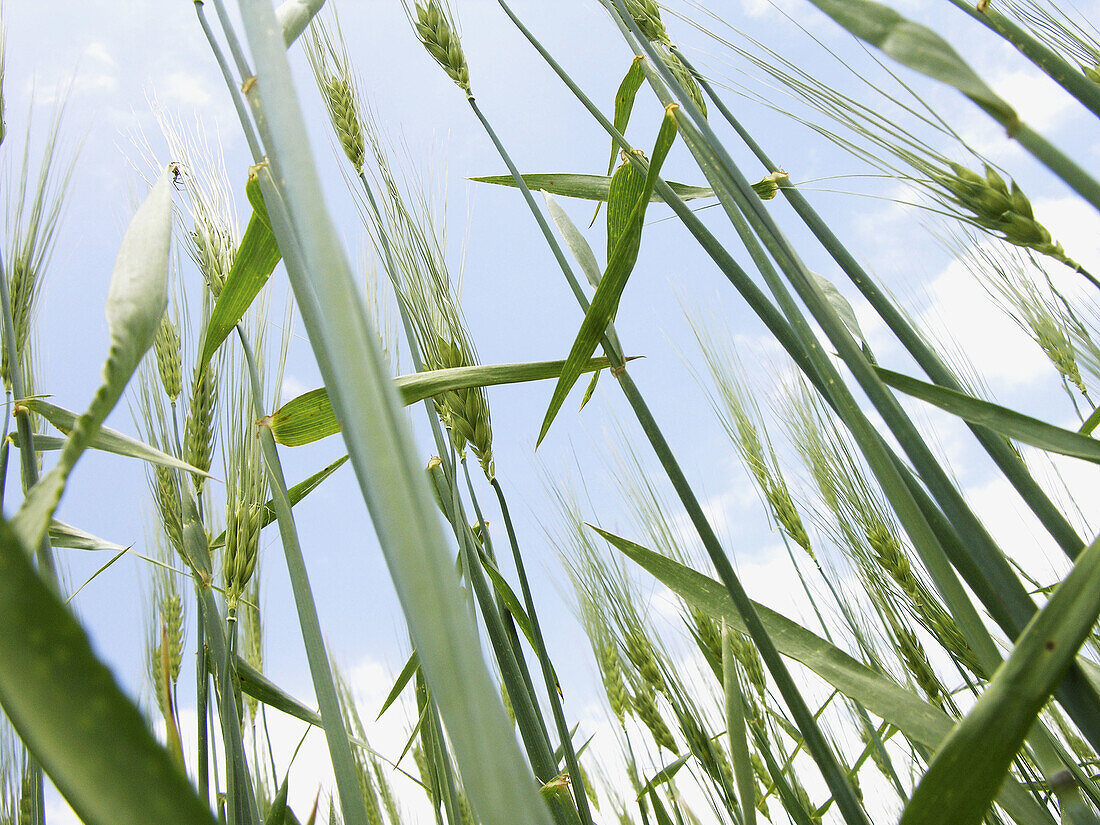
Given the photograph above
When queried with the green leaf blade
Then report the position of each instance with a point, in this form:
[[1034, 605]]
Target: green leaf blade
[[1000, 419], [69, 710], [914, 46], [253, 264], [310, 416], [586, 187], [605, 302]]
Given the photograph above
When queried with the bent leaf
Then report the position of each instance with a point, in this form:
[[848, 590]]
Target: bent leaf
[[66, 706], [262, 689], [587, 187], [619, 266], [310, 417], [403, 678], [108, 440], [65, 535], [1000, 419], [664, 774], [253, 264]]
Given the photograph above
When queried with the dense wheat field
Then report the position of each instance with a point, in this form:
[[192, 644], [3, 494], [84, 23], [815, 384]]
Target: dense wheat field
[[727, 457]]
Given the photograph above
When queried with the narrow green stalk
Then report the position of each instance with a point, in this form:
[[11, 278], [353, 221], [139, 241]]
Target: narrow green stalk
[[29, 460], [198, 559], [28, 457], [544, 660], [202, 700], [502, 609], [234, 92], [235, 810], [231, 38], [343, 764], [538, 749], [1059, 70], [1009, 463]]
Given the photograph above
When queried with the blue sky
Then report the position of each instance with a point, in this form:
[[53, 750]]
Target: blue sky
[[114, 63]]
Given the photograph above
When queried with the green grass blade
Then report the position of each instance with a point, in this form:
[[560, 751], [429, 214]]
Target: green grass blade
[[664, 774], [88, 581], [624, 102], [920, 721], [42, 443], [136, 299], [1007, 422], [69, 710], [605, 302], [736, 730], [108, 440], [914, 46], [392, 482], [310, 416], [259, 687], [276, 812], [659, 809], [982, 746], [508, 597], [407, 672], [256, 259], [295, 494], [1090, 423], [573, 238], [586, 187], [65, 535]]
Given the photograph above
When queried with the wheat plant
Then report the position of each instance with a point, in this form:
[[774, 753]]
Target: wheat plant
[[930, 675]]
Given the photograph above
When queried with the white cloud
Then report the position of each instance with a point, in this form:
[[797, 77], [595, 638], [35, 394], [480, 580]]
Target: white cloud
[[183, 88], [1037, 99], [291, 388], [962, 310], [98, 51]]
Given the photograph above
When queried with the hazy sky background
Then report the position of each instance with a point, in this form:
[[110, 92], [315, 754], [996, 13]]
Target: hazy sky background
[[114, 63]]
